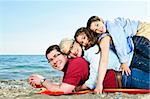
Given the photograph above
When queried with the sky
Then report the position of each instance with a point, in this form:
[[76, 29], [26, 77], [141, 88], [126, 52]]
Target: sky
[[29, 27]]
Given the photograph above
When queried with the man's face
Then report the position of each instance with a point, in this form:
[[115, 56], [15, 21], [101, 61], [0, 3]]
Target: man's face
[[57, 60]]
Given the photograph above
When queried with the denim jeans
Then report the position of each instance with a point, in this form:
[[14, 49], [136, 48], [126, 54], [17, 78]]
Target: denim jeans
[[141, 55], [142, 46], [140, 62], [137, 79]]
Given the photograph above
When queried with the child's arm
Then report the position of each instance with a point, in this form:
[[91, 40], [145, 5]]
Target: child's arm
[[104, 45]]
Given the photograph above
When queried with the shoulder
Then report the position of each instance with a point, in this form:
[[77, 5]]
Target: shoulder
[[77, 65], [115, 21], [104, 35], [92, 49], [78, 61]]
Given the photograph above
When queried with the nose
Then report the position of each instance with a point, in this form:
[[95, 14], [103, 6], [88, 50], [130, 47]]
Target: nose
[[84, 43], [55, 63], [101, 29], [75, 52]]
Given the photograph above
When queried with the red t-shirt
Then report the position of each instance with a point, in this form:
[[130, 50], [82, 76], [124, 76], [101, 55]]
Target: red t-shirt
[[76, 71]]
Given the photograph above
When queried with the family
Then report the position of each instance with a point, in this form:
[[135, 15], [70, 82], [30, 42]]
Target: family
[[104, 54]]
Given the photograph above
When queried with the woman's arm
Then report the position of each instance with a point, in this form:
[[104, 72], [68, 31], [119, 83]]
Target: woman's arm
[[121, 37], [104, 45]]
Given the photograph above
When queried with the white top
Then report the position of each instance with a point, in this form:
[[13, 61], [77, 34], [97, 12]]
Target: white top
[[93, 58]]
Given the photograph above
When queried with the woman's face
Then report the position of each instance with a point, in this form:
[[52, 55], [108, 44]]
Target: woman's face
[[82, 39], [98, 27], [75, 50]]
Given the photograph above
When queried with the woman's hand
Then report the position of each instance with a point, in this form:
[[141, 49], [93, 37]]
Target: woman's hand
[[98, 89], [125, 69], [35, 80]]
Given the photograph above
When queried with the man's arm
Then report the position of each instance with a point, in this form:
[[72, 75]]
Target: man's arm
[[35, 80], [82, 87], [63, 87]]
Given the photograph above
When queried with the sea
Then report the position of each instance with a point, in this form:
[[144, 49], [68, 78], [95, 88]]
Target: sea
[[20, 67]]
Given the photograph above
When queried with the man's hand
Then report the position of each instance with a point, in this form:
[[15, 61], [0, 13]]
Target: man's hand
[[125, 69], [81, 87], [35, 80], [98, 89], [78, 88]]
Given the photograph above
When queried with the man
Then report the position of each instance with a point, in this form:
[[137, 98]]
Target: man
[[76, 71]]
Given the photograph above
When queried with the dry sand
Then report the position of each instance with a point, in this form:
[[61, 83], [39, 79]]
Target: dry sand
[[20, 89]]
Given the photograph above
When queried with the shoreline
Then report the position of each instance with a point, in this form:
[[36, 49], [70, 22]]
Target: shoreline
[[20, 89]]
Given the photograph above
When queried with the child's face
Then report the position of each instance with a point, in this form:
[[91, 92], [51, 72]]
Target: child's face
[[82, 39], [98, 27], [75, 50]]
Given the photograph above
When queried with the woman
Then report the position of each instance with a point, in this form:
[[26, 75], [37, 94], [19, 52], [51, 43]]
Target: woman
[[119, 33]]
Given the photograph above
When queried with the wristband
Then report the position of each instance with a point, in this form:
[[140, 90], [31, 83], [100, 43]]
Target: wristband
[[42, 81]]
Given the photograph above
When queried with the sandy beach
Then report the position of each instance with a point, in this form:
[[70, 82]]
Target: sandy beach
[[20, 89]]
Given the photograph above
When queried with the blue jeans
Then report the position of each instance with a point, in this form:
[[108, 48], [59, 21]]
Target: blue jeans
[[141, 55], [137, 79], [142, 46]]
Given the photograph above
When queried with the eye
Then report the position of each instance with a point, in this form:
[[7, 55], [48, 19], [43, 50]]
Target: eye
[[82, 42], [50, 60], [56, 55], [97, 25], [84, 37]]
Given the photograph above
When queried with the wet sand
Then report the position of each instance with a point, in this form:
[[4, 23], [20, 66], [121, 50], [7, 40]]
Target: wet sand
[[20, 89]]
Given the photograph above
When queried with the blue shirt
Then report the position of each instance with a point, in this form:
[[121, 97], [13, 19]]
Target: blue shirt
[[122, 30]]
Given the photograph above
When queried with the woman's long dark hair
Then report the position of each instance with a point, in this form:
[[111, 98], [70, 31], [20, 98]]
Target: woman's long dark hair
[[93, 19]]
